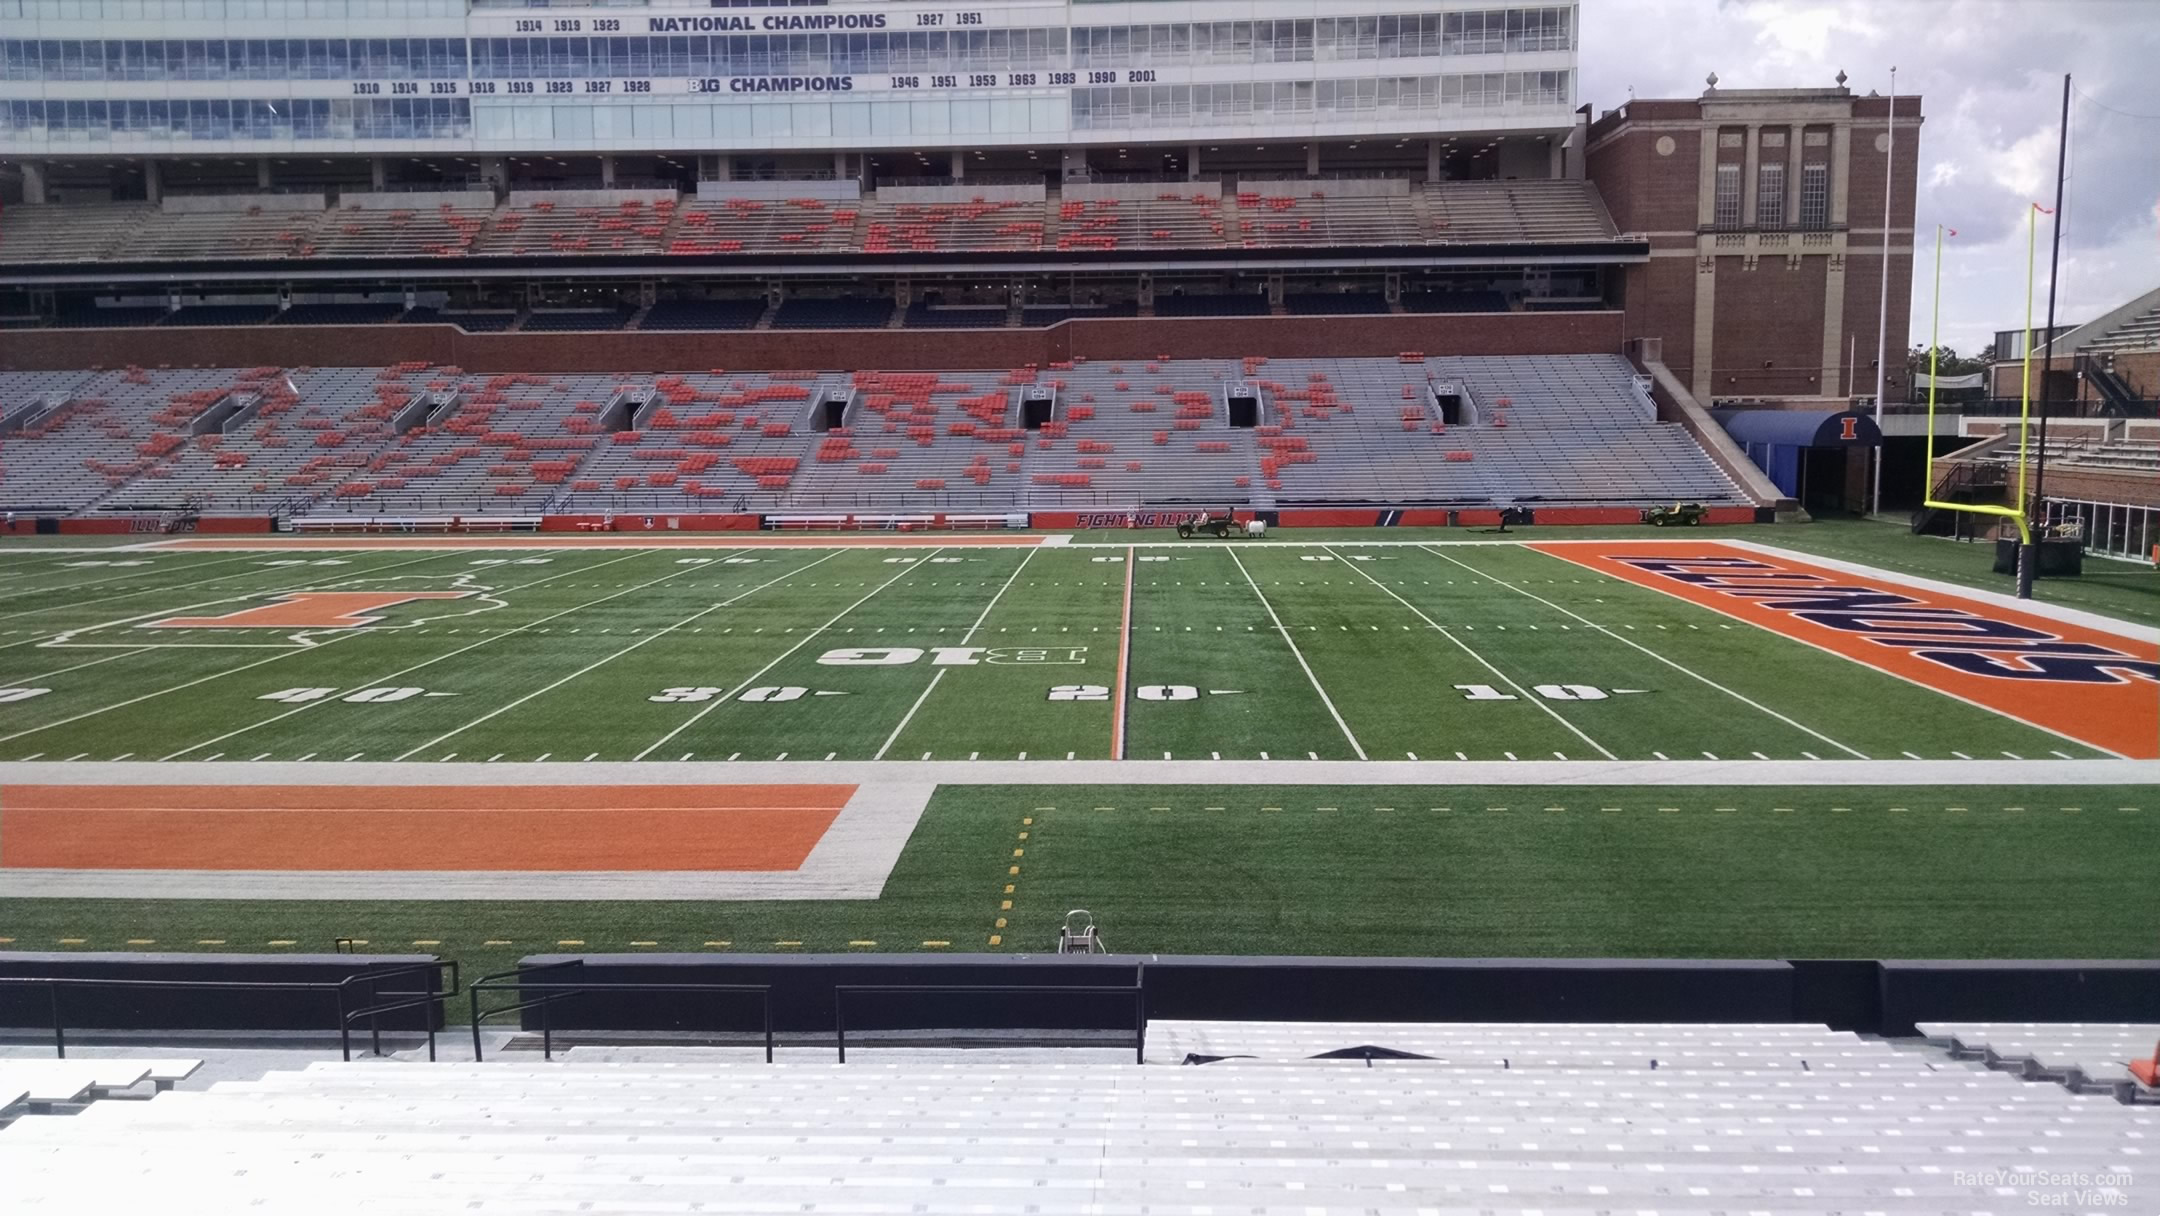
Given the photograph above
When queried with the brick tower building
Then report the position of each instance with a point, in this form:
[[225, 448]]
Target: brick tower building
[[1763, 209]]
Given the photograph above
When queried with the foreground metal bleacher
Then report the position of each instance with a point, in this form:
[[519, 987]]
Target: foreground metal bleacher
[[2079, 1054], [1668, 1119]]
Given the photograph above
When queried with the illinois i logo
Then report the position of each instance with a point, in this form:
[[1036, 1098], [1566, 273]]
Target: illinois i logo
[[309, 610]]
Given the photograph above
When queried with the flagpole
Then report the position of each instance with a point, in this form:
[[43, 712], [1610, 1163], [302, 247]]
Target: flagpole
[[2062, 149], [1934, 359], [2024, 462], [1882, 319]]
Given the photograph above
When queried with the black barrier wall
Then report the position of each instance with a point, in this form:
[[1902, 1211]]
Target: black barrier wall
[[2096, 990], [1253, 989], [1885, 997], [802, 988], [95, 1007]]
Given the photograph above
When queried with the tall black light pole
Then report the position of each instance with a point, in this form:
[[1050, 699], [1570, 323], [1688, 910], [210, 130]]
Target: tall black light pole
[[2036, 510]]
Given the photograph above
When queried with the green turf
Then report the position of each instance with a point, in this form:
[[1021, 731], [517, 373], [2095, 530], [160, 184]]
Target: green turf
[[1237, 653], [1744, 872], [1271, 650]]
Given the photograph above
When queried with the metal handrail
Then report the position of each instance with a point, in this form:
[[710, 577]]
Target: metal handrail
[[1138, 989], [514, 981], [346, 1014]]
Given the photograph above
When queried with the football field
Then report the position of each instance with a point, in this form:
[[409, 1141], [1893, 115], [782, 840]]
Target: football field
[[1424, 744], [951, 651]]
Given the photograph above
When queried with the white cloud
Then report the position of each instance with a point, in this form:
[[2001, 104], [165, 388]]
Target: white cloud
[[1990, 72]]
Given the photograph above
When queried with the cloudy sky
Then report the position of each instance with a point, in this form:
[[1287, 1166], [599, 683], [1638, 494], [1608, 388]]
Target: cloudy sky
[[1991, 72]]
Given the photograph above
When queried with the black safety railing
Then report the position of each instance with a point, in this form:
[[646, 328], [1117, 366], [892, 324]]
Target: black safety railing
[[1137, 991], [552, 991], [355, 997]]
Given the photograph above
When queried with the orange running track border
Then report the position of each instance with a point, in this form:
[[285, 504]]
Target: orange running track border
[[1124, 651], [539, 828], [2072, 680]]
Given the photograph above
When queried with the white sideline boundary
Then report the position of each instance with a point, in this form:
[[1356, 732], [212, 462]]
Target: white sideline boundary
[[1994, 599], [858, 852]]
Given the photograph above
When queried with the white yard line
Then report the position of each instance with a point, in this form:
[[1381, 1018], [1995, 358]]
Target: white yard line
[[1297, 654], [808, 637], [93, 582], [452, 654], [1520, 691], [216, 675], [303, 585], [1693, 675], [654, 636], [61, 671], [964, 640]]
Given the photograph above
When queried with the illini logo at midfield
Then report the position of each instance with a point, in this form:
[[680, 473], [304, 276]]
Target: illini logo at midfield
[[309, 610]]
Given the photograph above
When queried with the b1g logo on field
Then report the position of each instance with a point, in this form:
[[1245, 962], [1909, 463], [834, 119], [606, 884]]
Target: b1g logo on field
[[951, 656]]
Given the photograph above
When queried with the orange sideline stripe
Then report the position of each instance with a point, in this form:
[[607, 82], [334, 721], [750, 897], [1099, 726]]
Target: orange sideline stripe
[[397, 828], [2122, 716], [1124, 646]]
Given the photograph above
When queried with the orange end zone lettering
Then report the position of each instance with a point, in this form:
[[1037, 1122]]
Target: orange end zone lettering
[[309, 610], [2076, 681]]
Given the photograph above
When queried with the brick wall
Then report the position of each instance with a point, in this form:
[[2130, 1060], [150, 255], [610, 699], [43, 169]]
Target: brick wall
[[1768, 315], [2140, 369], [1647, 191], [1757, 311], [2096, 485]]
